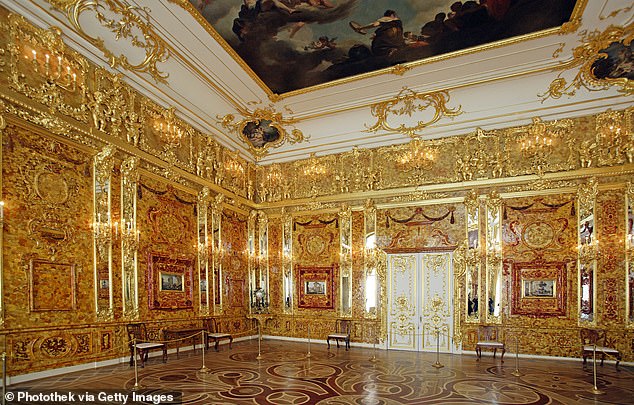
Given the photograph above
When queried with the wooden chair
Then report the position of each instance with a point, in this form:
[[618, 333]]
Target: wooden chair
[[213, 333], [137, 335], [604, 347], [342, 332], [489, 338]]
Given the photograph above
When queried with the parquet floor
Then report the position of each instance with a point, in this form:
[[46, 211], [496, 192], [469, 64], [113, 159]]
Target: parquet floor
[[285, 375]]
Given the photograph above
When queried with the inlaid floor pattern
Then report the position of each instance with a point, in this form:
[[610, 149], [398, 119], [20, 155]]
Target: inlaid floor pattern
[[286, 375]]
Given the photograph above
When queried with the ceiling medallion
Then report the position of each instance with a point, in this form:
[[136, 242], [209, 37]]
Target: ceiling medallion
[[604, 59], [408, 102], [131, 23], [262, 129]]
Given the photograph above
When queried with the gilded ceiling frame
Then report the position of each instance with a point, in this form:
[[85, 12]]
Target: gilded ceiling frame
[[591, 50]]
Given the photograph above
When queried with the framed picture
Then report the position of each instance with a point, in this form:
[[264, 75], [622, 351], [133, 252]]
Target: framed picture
[[317, 287], [171, 282], [539, 288]]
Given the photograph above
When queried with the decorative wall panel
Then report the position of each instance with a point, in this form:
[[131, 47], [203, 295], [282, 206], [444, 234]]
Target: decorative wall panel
[[170, 282], [540, 289], [316, 286], [52, 286]]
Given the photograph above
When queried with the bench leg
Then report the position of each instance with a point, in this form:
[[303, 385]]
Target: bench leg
[[328, 341], [502, 356], [216, 344], [230, 341]]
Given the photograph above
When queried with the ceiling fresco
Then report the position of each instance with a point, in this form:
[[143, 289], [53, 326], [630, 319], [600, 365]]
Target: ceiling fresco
[[295, 44]]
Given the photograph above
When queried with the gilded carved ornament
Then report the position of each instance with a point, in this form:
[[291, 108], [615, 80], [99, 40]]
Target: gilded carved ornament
[[262, 129], [128, 23], [480, 155], [408, 103], [593, 57], [43, 69]]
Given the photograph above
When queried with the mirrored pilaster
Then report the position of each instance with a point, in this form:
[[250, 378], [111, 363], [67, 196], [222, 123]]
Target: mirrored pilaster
[[129, 238], [370, 261], [104, 229], [203, 250], [493, 258], [588, 249], [216, 253], [472, 258], [345, 261], [287, 262]]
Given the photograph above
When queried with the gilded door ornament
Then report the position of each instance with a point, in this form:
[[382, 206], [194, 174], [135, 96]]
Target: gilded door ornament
[[409, 103], [262, 129], [402, 312], [127, 22], [601, 59]]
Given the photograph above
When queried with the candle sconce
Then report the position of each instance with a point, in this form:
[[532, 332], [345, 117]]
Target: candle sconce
[[53, 68], [589, 249]]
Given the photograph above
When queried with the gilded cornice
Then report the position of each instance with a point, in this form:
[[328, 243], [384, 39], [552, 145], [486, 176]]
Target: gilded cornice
[[592, 49]]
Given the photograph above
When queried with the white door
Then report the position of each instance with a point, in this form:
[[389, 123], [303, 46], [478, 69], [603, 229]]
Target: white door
[[420, 301]]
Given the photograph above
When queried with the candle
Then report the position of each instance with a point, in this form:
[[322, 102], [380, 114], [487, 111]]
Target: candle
[[48, 58], [34, 55], [1, 210]]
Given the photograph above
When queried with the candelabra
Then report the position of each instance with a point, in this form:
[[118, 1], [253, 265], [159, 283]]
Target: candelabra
[[129, 235], [537, 146], [52, 69], [170, 132], [417, 156], [313, 168]]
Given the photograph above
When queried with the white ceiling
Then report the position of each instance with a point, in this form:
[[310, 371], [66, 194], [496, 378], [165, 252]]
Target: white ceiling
[[495, 87]]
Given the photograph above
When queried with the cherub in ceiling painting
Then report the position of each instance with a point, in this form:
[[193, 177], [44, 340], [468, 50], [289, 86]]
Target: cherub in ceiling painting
[[281, 40]]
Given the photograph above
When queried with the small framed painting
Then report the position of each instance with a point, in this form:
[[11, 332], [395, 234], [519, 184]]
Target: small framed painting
[[316, 287], [545, 288]]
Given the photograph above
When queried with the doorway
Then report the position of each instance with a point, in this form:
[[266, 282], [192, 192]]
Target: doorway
[[420, 301]]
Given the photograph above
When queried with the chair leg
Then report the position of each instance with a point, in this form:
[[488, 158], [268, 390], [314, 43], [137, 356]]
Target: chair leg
[[347, 344], [502, 356], [216, 344], [494, 352], [478, 351], [337, 340], [230, 341], [164, 354]]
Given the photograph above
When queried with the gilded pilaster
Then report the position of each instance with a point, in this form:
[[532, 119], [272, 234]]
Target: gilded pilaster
[[588, 250], [103, 226], [217, 251], [129, 238], [493, 286], [203, 250], [3, 125], [345, 261], [287, 262]]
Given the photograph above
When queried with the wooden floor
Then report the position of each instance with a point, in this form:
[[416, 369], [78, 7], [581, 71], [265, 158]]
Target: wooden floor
[[285, 375]]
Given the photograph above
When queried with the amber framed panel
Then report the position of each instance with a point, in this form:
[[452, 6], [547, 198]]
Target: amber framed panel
[[51, 286], [161, 269], [313, 279], [547, 289]]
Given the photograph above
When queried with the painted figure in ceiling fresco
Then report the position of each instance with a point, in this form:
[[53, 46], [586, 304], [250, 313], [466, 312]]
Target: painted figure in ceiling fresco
[[259, 133], [617, 62], [288, 45]]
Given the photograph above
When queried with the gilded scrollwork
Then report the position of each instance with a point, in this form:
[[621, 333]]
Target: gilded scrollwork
[[262, 129], [481, 155], [129, 236], [408, 103], [129, 21], [595, 50]]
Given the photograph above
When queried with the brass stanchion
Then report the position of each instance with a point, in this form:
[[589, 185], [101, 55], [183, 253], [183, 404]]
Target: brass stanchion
[[136, 370], [4, 378], [203, 341], [516, 372], [308, 354], [259, 356], [595, 389], [437, 364]]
